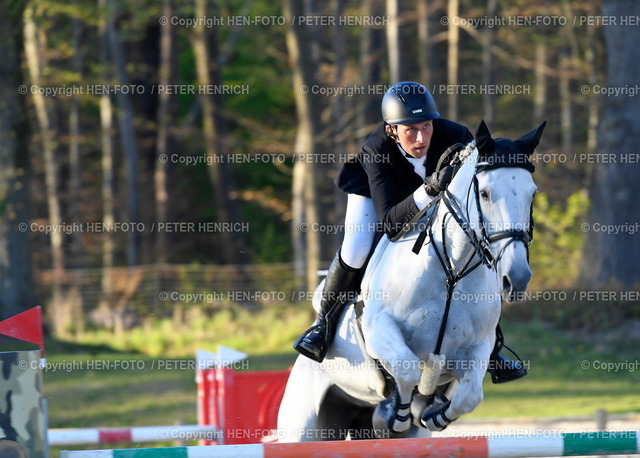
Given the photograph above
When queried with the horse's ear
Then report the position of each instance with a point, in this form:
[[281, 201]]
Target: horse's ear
[[529, 141], [484, 140]]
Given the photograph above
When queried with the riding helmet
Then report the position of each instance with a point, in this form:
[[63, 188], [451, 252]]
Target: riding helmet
[[408, 103]]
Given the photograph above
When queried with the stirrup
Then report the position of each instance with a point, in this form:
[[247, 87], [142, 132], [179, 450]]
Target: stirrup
[[506, 374]]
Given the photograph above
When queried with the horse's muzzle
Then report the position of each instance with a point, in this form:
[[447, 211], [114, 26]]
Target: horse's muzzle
[[514, 284]]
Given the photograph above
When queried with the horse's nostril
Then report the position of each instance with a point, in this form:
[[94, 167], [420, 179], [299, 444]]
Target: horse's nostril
[[506, 284]]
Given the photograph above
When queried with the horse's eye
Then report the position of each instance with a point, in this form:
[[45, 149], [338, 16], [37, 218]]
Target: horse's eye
[[484, 194]]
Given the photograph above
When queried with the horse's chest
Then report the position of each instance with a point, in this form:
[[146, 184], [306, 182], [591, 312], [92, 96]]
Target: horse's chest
[[421, 328]]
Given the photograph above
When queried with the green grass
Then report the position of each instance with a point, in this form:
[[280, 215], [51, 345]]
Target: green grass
[[562, 380], [271, 330], [138, 394], [146, 390]]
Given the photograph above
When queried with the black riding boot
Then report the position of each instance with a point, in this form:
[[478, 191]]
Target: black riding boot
[[337, 291], [503, 369]]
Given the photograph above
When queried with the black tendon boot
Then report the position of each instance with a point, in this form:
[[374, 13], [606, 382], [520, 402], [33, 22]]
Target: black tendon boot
[[503, 369], [337, 291]]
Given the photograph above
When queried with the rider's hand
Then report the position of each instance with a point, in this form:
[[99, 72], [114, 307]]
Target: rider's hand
[[438, 181]]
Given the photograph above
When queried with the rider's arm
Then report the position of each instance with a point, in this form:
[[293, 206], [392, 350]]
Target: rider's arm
[[421, 198], [393, 191]]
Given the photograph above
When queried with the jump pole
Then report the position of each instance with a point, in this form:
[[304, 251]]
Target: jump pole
[[564, 444], [71, 436]]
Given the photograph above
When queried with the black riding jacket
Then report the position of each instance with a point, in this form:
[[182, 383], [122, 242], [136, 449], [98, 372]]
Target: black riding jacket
[[379, 171]]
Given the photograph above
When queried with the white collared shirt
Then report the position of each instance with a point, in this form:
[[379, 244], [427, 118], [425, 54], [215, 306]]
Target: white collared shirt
[[420, 196]]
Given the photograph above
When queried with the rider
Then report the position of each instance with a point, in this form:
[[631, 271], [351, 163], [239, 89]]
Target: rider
[[387, 184]]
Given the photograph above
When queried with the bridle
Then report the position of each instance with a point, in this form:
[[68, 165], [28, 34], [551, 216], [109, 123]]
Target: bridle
[[482, 242], [481, 252]]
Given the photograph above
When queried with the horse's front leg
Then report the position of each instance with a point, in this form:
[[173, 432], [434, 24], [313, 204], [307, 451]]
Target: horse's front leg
[[465, 399], [385, 342], [298, 416]]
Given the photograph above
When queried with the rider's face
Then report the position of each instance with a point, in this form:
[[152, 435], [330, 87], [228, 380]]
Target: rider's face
[[415, 138]]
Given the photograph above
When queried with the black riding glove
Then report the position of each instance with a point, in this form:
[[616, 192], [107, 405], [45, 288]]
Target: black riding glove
[[438, 181]]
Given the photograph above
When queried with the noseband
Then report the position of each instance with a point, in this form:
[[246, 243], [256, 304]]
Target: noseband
[[486, 238]]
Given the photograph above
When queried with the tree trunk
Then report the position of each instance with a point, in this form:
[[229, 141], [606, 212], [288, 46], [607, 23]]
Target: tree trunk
[[592, 75], [305, 204], [48, 146], [541, 70], [566, 110], [16, 283], [166, 118], [73, 296], [298, 220], [452, 63], [60, 318], [611, 256], [424, 40], [393, 42], [489, 98], [540, 92], [75, 166], [108, 183], [342, 127], [569, 62], [370, 71], [127, 134], [204, 43]]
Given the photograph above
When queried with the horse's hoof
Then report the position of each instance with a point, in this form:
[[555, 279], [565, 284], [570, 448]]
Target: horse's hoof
[[434, 418], [419, 404], [387, 423]]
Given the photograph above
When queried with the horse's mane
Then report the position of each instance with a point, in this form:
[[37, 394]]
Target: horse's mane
[[467, 151], [467, 158]]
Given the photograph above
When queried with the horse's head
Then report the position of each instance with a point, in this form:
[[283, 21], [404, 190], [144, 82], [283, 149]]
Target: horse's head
[[504, 191]]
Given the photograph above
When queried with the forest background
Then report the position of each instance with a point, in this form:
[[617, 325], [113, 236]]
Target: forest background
[[174, 159]]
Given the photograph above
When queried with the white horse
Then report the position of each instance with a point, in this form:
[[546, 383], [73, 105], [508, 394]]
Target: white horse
[[413, 360]]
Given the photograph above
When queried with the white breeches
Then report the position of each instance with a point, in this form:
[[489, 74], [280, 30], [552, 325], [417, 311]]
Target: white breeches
[[360, 224]]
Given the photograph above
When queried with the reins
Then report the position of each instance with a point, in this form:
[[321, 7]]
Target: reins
[[445, 260]]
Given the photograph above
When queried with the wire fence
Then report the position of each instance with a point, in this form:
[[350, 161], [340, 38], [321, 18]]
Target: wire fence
[[121, 297]]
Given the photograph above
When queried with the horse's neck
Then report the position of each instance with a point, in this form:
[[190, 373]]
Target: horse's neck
[[457, 241]]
